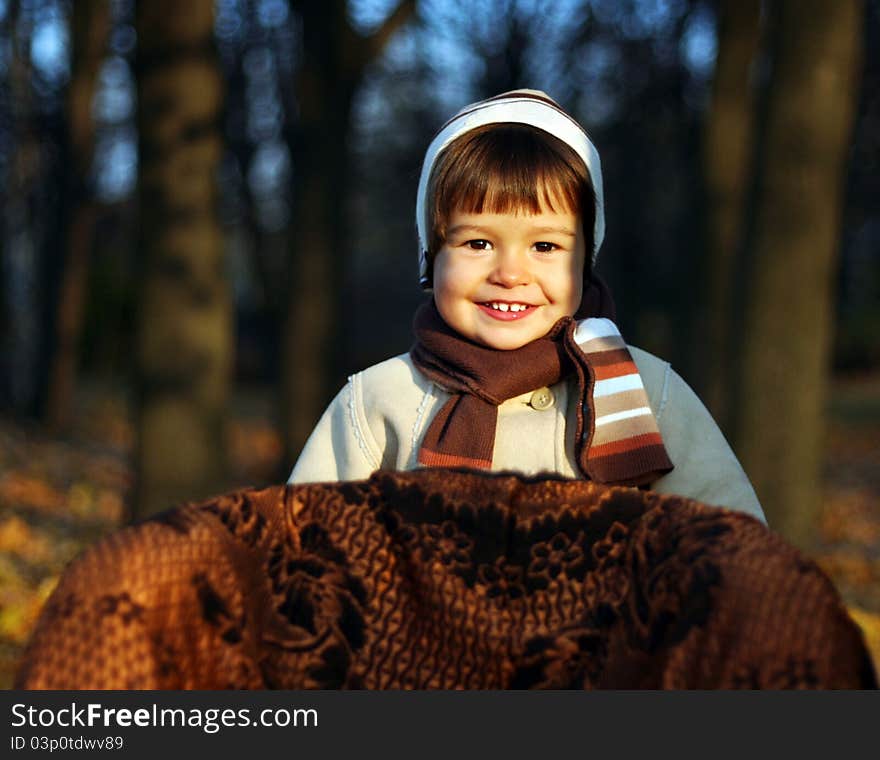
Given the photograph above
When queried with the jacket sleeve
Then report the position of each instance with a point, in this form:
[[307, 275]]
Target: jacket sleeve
[[340, 446], [706, 468]]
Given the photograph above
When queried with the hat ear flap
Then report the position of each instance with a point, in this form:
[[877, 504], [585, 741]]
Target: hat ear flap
[[426, 276]]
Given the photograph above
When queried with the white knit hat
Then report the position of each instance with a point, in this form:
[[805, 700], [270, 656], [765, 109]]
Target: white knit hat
[[531, 107]]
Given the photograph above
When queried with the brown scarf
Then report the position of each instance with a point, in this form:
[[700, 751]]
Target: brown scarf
[[627, 450]]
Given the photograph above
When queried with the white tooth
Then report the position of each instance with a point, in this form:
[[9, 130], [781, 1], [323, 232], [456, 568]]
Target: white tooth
[[494, 306], [503, 306], [519, 307]]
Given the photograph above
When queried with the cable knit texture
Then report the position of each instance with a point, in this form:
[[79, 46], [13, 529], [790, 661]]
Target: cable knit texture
[[442, 579]]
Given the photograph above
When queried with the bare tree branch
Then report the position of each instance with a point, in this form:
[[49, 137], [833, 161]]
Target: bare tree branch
[[378, 40]]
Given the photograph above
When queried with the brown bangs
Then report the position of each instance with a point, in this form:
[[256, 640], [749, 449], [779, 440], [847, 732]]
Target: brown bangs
[[508, 168]]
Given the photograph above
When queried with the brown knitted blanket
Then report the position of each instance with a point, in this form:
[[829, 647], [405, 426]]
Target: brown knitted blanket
[[445, 579]]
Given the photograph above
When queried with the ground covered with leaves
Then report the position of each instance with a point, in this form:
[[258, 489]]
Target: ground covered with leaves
[[60, 493]]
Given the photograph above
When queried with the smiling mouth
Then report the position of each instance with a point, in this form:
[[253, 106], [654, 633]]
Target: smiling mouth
[[506, 311]]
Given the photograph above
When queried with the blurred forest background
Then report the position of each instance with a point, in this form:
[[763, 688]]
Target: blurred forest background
[[206, 223]]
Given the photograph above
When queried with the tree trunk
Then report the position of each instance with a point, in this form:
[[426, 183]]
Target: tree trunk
[[788, 310], [185, 336], [91, 21], [23, 236], [332, 65], [728, 151]]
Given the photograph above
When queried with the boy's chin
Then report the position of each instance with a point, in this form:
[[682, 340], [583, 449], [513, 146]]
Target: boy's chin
[[507, 342]]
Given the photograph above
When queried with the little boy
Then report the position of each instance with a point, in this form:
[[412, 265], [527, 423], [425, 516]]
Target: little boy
[[517, 363]]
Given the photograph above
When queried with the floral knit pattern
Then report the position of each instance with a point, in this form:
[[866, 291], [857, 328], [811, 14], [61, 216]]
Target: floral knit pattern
[[442, 579]]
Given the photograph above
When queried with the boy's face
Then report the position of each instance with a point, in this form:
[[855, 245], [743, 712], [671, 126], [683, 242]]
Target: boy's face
[[503, 280]]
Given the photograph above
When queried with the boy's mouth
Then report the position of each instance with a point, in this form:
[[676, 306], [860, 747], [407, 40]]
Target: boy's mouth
[[506, 311]]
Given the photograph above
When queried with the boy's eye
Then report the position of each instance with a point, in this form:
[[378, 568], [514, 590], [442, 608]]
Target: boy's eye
[[544, 247], [478, 245]]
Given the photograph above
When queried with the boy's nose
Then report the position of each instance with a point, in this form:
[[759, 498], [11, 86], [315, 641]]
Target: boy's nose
[[510, 270]]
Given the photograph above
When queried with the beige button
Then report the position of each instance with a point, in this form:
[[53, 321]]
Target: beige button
[[541, 399]]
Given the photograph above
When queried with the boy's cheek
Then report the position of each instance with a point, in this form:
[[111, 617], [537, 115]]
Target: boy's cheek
[[452, 277]]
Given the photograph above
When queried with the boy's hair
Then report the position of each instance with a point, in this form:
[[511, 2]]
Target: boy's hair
[[507, 167]]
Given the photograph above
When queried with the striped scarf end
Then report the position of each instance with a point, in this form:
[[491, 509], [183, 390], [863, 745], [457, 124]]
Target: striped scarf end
[[643, 464], [626, 446], [618, 369], [633, 461]]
